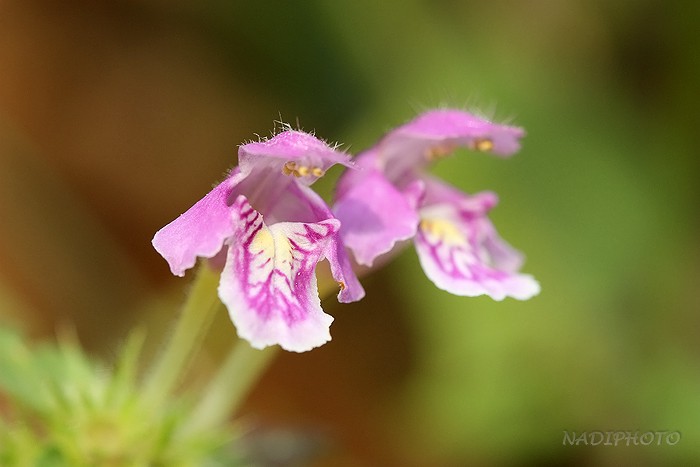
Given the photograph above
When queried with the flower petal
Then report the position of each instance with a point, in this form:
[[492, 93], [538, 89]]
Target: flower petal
[[366, 164], [437, 133], [464, 128], [200, 231], [341, 268], [269, 282], [438, 191], [302, 204], [296, 153], [374, 215], [461, 252]]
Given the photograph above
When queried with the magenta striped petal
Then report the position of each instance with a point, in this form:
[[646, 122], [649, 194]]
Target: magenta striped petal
[[269, 284], [461, 252]]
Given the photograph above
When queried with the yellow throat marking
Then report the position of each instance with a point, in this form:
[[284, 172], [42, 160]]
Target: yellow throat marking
[[443, 230]]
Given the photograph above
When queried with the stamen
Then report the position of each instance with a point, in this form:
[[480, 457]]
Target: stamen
[[438, 152], [483, 144], [289, 168], [292, 168], [342, 285]]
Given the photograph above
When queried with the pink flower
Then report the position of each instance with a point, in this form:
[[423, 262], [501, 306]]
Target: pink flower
[[392, 199], [274, 230]]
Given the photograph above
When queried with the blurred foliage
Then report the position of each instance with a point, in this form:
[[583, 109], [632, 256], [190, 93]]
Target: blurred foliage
[[114, 117], [63, 409]]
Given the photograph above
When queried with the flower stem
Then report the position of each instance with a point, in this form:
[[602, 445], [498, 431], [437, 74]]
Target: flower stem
[[233, 381], [236, 377], [194, 321]]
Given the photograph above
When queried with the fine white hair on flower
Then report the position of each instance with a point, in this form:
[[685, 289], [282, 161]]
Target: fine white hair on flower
[[281, 126], [474, 105]]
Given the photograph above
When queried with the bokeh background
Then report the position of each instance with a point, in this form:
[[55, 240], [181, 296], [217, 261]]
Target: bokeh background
[[117, 116]]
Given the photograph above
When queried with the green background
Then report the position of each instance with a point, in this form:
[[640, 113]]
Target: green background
[[114, 118]]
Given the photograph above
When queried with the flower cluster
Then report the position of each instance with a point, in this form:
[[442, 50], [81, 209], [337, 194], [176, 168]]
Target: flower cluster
[[274, 229], [392, 198]]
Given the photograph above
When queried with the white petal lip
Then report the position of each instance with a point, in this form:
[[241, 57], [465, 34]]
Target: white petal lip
[[269, 283], [457, 257]]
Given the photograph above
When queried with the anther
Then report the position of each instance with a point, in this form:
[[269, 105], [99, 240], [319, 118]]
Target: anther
[[483, 144], [438, 152], [289, 168], [292, 168]]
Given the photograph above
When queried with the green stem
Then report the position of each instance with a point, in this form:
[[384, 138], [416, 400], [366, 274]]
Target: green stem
[[194, 321], [237, 376]]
